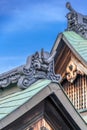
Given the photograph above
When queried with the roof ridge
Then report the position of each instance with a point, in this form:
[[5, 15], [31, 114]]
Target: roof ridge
[[38, 66]]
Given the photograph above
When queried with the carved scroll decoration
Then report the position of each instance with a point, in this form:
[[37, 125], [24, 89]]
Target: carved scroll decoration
[[71, 72], [73, 69], [38, 66]]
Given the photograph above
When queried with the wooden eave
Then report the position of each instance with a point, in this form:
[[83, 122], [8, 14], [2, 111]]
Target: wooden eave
[[54, 48], [60, 99], [75, 53]]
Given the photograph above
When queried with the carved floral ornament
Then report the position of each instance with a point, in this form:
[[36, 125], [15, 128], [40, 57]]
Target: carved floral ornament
[[72, 70], [38, 66]]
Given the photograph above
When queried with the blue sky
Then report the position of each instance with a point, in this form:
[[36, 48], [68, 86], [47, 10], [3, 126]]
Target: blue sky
[[27, 26]]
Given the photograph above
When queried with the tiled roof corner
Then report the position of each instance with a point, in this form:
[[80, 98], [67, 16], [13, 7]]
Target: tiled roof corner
[[78, 43], [11, 102]]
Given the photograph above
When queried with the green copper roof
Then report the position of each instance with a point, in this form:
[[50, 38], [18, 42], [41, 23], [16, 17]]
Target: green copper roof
[[13, 101], [78, 43]]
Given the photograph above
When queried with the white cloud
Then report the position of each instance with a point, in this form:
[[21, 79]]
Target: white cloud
[[28, 17]]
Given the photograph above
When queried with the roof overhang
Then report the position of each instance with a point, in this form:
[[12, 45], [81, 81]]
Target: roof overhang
[[52, 89], [60, 37]]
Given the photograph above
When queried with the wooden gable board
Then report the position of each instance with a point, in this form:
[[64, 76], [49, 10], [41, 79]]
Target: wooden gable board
[[76, 44], [70, 46]]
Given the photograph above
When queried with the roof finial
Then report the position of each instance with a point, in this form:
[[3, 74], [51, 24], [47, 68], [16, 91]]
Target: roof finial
[[68, 6], [76, 21]]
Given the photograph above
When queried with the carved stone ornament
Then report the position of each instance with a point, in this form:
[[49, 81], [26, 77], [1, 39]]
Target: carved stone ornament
[[76, 21], [38, 66]]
